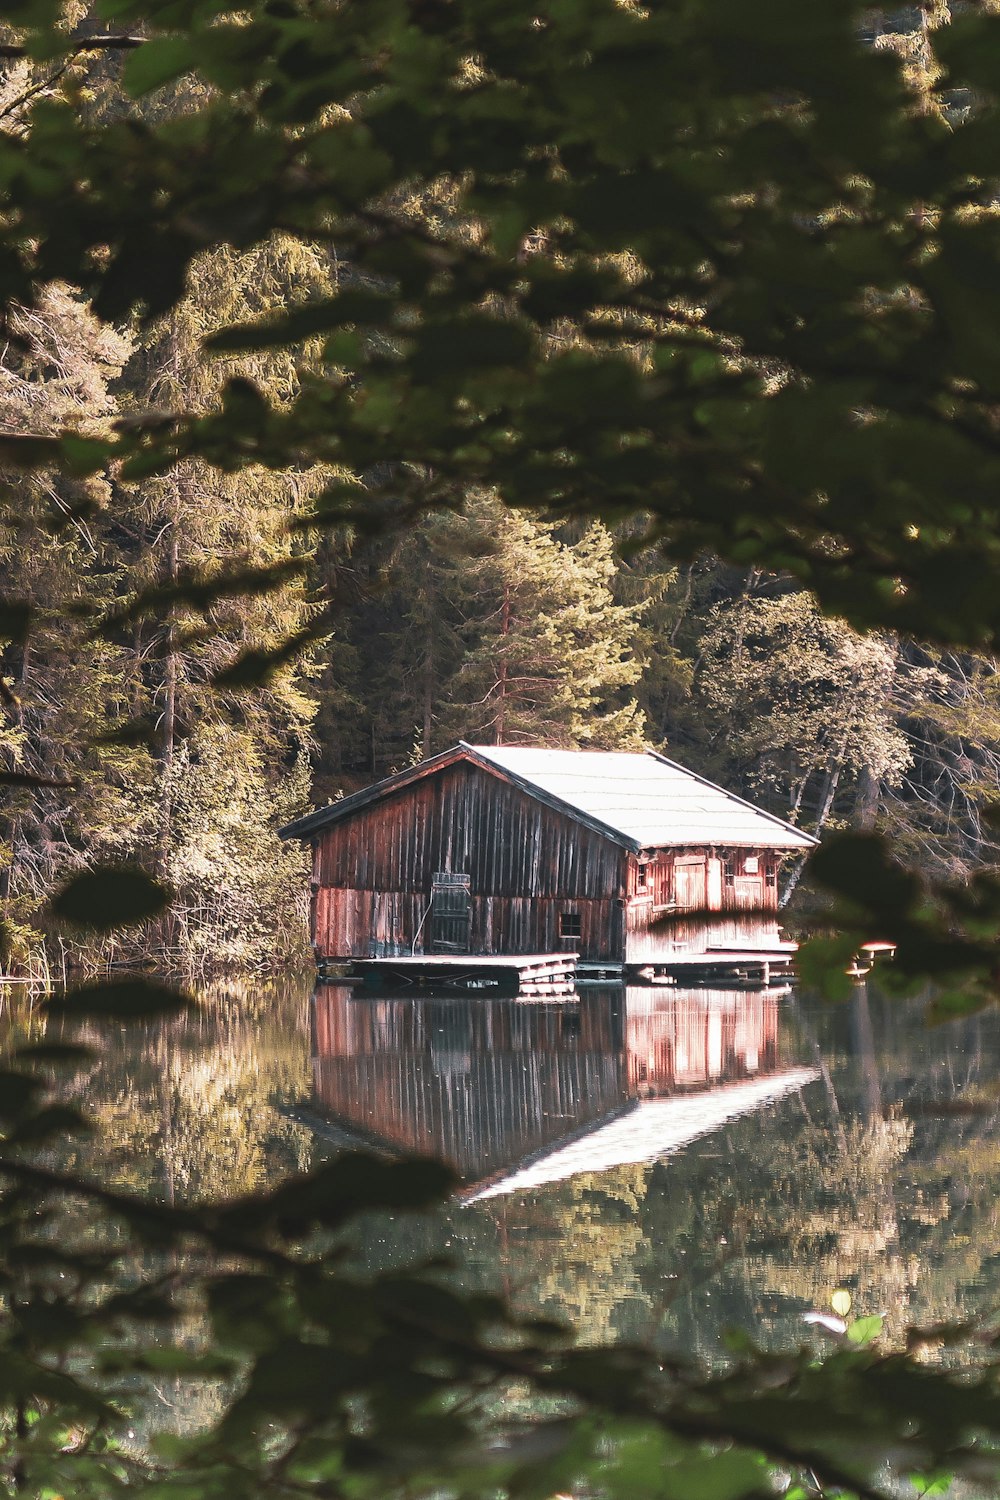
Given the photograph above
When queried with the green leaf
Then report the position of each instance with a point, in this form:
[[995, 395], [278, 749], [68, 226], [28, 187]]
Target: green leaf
[[954, 1005], [860, 867], [301, 323], [108, 898], [156, 62], [15, 620], [864, 1330], [460, 346]]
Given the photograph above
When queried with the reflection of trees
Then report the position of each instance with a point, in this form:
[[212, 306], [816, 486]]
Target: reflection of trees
[[189, 1108], [855, 1183], [595, 1283]]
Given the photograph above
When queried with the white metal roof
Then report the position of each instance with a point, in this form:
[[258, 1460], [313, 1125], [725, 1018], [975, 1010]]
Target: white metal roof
[[646, 798]]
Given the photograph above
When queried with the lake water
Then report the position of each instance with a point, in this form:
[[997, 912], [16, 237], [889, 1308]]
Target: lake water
[[648, 1163]]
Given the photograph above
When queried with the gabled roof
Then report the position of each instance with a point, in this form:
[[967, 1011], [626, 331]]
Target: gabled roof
[[652, 801], [641, 801]]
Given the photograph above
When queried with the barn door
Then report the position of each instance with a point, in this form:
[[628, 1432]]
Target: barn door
[[690, 883], [451, 912]]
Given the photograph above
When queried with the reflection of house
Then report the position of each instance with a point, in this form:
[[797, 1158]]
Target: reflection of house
[[498, 1088], [654, 1128], [480, 1084], [621, 858], [678, 1039]]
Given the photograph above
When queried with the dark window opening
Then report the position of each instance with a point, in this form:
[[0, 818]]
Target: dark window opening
[[570, 925], [641, 877], [728, 871], [772, 877]]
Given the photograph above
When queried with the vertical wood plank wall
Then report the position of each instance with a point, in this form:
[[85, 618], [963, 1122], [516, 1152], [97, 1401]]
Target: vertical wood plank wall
[[694, 899], [530, 867]]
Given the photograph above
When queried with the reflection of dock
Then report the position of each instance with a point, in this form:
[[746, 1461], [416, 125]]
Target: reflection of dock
[[491, 1087]]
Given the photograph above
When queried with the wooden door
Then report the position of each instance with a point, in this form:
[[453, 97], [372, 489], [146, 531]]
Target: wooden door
[[748, 891], [451, 912], [690, 883]]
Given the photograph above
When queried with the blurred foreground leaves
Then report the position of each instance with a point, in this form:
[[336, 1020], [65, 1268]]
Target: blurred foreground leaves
[[946, 934], [722, 267], [709, 263]]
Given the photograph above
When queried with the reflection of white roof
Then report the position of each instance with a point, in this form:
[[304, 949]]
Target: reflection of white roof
[[646, 798], [654, 1128]]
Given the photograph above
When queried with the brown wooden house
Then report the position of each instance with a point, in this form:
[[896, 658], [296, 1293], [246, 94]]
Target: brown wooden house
[[625, 859]]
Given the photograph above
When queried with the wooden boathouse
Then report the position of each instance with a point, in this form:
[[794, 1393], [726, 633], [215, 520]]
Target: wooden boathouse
[[627, 860]]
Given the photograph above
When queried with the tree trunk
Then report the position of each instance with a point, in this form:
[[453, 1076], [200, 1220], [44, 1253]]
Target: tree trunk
[[168, 737], [501, 720], [829, 793], [428, 696], [866, 805]]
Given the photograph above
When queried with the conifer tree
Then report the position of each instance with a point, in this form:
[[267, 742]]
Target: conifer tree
[[548, 653], [70, 794], [190, 524]]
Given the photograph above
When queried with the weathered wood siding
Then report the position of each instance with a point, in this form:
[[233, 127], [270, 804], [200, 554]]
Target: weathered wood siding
[[528, 865], [689, 900]]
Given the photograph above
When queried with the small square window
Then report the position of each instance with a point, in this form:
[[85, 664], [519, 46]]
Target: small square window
[[570, 925]]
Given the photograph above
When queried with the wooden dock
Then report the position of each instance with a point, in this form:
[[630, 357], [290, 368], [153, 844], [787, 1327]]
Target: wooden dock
[[755, 968], [502, 976]]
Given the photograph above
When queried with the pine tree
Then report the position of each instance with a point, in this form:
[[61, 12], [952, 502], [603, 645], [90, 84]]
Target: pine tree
[[547, 655], [189, 525], [82, 796]]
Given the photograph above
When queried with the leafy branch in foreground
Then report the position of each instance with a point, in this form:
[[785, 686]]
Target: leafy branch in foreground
[[714, 264]]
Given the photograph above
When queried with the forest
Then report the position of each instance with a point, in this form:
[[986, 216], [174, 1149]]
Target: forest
[[487, 624], [580, 372], [196, 651]]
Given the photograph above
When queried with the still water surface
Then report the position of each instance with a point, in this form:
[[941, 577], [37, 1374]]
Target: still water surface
[[654, 1164]]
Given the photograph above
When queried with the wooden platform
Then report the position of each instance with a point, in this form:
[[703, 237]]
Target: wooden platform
[[500, 975], [729, 968]]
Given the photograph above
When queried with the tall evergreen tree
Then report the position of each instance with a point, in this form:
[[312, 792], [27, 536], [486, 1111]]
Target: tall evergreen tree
[[548, 653]]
